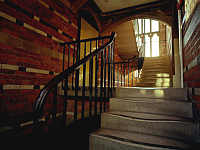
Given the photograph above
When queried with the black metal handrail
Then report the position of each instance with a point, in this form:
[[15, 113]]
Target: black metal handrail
[[105, 51]]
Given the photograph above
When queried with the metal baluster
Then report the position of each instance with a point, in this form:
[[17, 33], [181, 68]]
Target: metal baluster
[[111, 69], [109, 57], [83, 90], [101, 80], [68, 55], [121, 73], [90, 81], [63, 64], [65, 90], [76, 83], [117, 75], [128, 73], [73, 64], [96, 80], [105, 57], [113, 62], [65, 100], [132, 74], [54, 103], [124, 75]]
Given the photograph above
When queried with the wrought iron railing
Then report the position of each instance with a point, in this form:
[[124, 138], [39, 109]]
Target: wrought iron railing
[[90, 94]]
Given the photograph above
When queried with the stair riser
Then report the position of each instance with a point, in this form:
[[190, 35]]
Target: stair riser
[[167, 108], [103, 143], [165, 93], [158, 84], [178, 130]]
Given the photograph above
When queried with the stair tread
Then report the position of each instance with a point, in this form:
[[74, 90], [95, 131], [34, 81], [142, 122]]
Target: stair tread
[[151, 100], [154, 92], [151, 117], [141, 139]]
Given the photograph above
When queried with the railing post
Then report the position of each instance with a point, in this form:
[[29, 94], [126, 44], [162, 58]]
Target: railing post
[[105, 57], [124, 75], [90, 80], [65, 101], [132, 73], [101, 80], [68, 55], [77, 82], [96, 80], [121, 73], [54, 103], [117, 75], [109, 61], [83, 89], [128, 73], [113, 62]]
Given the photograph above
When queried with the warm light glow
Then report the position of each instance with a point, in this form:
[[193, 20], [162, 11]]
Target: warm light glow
[[154, 26], [143, 91], [147, 25], [147, 46], [162, 75], [163, 82], [155, 45], [159, 93]]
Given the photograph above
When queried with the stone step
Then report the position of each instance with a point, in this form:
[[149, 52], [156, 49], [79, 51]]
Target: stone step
[[159, 106], [153, 85], [160, 125], [156, 71], [147, 79], [156, 64], [156, 76], [165, 93], [162, 58], [106, 139]]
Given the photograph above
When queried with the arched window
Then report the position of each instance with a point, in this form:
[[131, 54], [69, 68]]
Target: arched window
[[147, 30]]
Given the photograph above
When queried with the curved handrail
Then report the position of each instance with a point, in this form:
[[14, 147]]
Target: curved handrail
[[41, 99]]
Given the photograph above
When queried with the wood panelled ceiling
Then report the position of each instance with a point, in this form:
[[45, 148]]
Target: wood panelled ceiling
[[113, 5], [102, 14]]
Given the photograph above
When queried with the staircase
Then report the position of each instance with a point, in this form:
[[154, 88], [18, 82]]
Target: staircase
[[146, 119], [155, 72]]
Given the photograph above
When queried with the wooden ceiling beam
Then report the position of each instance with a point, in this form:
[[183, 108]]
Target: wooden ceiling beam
[[77, 4], [95, 16], [135, 8], [148, 12]]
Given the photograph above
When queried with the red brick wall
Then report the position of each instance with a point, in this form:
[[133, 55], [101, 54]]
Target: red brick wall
[[30, 53], [191, 53]]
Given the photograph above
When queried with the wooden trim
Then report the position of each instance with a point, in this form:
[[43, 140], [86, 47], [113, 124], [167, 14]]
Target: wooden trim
[[77, 4]]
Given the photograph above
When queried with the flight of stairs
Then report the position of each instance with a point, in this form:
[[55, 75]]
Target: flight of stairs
[[147, 119], [155, 72]]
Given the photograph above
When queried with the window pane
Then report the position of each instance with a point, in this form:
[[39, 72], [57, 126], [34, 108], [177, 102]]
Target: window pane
[[155, 26], [143, 26], [139, 41], [135, 26], [155, 45], [147, 46], [140, 25], [147, 25]]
